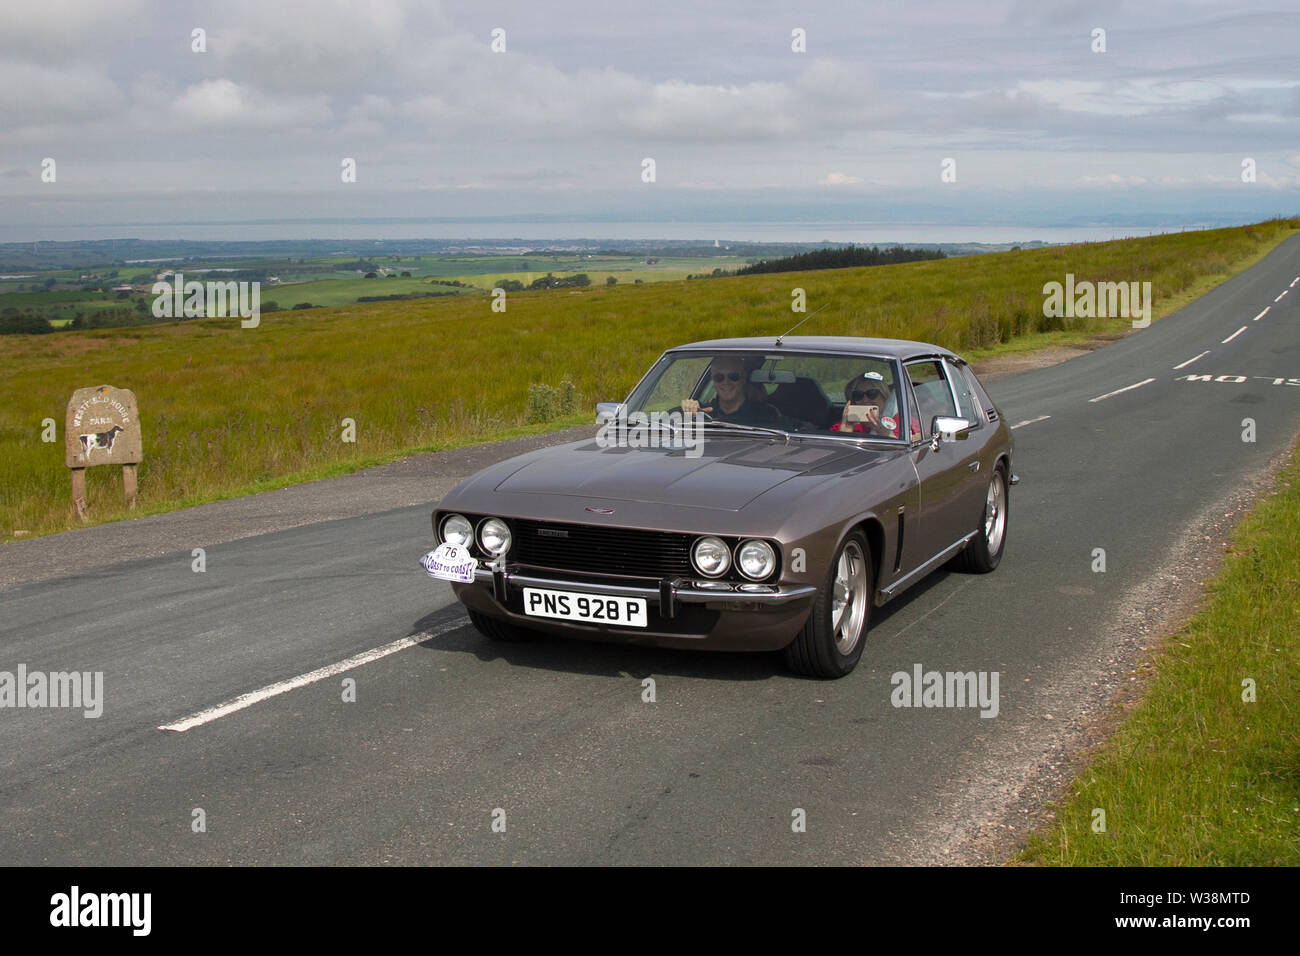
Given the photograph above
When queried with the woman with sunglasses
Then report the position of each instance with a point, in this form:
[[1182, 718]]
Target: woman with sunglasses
[[736, 399], [868, 389]]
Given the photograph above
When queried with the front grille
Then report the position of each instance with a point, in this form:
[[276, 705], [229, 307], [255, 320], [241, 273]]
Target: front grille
[[596, 550]]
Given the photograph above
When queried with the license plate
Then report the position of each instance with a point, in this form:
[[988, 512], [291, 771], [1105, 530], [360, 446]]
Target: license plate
[[588, 608]]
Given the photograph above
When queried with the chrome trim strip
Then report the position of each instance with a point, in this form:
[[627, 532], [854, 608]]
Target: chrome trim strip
[[682, 595], [942, 556]]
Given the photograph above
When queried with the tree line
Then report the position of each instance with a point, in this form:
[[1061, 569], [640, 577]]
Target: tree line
[[843, 258]]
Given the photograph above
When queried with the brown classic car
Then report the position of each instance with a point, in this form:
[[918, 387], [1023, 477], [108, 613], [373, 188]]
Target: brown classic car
[[749, 495]]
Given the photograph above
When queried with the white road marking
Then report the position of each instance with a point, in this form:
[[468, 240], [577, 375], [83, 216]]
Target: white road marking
[[1279, 298], [1030, 421], [1127, 388], [1191, 360], [1293, 282], [1262, 314], [293, 683], [1233, 335]]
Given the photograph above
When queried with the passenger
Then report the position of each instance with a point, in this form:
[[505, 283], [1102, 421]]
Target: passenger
[[869, 390], [738, 400]]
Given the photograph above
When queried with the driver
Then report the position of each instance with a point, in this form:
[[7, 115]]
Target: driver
[[737, 400]]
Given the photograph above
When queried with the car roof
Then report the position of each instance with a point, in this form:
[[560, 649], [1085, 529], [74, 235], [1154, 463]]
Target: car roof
[[889, 348]]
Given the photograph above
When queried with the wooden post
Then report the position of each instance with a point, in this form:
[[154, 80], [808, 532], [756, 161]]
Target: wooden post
[[79, 492], [128, 486]]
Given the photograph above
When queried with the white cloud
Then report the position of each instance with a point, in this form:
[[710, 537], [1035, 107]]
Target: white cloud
[[290, 86], [224, 103]]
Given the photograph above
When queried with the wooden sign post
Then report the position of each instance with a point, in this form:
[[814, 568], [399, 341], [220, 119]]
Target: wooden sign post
[[102, 427]]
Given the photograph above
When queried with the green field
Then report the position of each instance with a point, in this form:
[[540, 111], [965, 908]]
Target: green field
[[332, 292], [227, 410], [1198, 775], [335, 281]]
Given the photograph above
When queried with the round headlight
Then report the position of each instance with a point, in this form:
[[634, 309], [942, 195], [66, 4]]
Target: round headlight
[[756, 559], [457, 530], [494, 536], [711, 557]]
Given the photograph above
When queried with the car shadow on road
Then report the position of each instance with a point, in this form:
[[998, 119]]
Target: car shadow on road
[[596, 658], [612, 659]]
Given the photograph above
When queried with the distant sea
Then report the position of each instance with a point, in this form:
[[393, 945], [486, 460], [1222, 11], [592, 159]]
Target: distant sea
[[838, 232]]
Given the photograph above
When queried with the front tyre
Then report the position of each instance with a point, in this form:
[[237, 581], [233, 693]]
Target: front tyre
[[984, 551], [832, 639]]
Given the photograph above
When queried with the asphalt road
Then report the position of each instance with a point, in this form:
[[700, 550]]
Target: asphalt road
[[449, 733]]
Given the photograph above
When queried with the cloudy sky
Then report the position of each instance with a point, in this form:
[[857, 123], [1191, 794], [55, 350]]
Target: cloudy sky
[[1042, 129]]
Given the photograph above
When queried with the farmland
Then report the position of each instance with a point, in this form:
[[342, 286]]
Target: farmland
[[227, 410]]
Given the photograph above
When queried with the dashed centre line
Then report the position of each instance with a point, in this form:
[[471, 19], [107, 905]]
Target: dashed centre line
[[1279, 298], [1127, 388], [293, 683], [1192, 359], [1262, 314], [1233, 335], [1293, 282], [1030, 421]]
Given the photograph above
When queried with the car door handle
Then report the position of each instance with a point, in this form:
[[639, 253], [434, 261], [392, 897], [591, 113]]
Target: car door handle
[[974, 466]]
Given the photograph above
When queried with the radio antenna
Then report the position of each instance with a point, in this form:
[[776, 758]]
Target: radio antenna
[[797, 324]]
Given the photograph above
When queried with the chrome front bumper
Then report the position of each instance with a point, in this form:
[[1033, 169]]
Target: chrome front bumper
[[667, 595]]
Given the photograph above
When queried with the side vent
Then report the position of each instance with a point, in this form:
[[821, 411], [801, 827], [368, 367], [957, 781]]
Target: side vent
[[898, 552]]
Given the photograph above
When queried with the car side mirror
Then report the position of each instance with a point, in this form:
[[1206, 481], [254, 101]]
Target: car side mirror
[[605, 411], [949, 429]]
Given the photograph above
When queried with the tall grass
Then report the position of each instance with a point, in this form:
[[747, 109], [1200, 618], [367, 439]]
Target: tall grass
[[225, 410]]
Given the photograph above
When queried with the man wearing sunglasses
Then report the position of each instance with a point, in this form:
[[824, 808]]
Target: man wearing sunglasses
[[868, 394], [736, 400]]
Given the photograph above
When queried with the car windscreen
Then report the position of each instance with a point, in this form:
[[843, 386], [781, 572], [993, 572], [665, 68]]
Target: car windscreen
[[849, 395]]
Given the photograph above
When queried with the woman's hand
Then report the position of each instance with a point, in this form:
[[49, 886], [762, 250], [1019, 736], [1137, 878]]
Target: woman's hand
[[870, 420]]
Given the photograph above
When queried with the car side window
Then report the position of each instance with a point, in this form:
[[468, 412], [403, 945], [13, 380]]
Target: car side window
[[981, 396], [968, 406], [918, 428], [933, 396]]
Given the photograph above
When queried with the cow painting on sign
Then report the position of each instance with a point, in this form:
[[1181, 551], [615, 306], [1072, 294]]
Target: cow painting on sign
[[102, 440]]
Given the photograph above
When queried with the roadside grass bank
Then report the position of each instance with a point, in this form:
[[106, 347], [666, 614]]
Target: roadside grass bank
[[1198, 774], [227, 411]]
